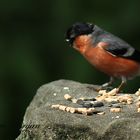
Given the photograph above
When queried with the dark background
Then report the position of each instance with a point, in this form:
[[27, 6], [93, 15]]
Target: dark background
[[33, 50]]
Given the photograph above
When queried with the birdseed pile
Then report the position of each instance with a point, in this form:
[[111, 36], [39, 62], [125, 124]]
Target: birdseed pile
[[92, 105]]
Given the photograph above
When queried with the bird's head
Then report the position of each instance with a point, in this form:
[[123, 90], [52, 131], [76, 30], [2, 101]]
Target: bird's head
[[78, 29]]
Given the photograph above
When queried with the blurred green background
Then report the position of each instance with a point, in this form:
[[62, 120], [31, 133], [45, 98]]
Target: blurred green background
[[33, 50]]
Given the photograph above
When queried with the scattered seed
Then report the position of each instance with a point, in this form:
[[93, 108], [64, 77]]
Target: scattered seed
[[101, 113], [138, 104], [138, 92], [85, 111], [55, 106], [67, 97], [68, 109], [89, 111], [111, 100], [117, 117], [114, 100], [74, 100], [66, 88], [138, 110], [61, 107], [138, 99], [100, 98], [102, 92], [129, 101], [54, 94], [125, 98], [72, 110], [113, 92], [115, 110]]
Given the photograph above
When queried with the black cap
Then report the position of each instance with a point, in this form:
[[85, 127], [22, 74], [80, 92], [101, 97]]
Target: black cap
[[78, 29]]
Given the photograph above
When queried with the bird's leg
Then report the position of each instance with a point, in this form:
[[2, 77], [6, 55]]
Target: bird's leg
[[108, 83], [105, 85], [122, 84]]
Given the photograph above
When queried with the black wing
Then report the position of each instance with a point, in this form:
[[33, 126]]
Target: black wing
[[124, 51]]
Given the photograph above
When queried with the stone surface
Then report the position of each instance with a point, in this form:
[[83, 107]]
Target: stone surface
[[41, 122]]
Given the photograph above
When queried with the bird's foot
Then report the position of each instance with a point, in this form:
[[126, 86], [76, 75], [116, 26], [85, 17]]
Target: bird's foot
[[98, 88], [107, 88], [95, 88]]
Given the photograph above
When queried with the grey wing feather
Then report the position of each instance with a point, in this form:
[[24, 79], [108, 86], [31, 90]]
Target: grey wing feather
[[120, 48], [116, 46]]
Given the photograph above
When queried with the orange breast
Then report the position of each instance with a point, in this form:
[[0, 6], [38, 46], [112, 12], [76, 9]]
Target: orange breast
[[82, 42], [109, 64]]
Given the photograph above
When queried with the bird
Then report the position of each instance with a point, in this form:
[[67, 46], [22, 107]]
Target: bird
[[105, 51]]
